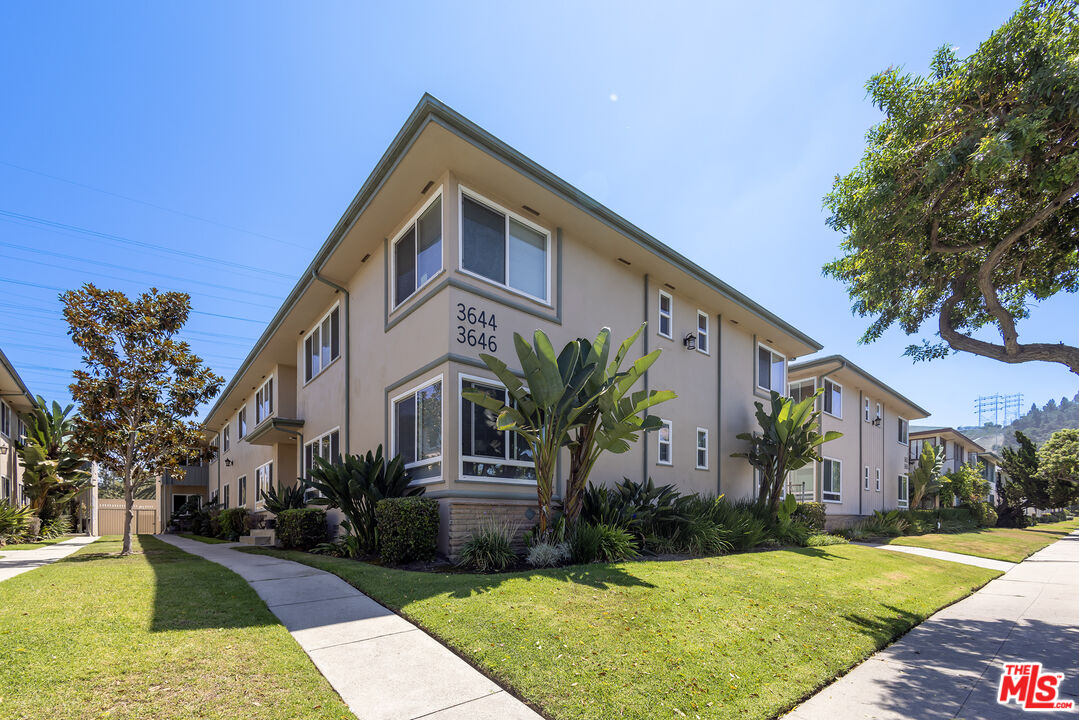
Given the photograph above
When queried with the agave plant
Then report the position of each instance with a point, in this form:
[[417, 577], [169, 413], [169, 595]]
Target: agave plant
[[355, 484], [14, 521], [285, 498], [52, 469]]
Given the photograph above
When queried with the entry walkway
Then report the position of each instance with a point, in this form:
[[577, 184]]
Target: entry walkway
[[382, 666], [16, 562], [950, 665]]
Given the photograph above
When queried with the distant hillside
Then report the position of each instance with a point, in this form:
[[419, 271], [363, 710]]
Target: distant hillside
[[1038, 424]]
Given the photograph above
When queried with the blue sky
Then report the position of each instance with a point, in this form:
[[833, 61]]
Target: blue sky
[[233, 135]]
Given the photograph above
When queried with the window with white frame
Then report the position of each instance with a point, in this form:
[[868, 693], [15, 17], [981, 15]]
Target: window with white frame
[[771, 369], [225, 500], [802, 389], [325, 446], [488, 453], [241, 423], [904, 491], [417, 429], [866, 410], [5, 487], [323, 344], [702, 332], [417, 251], [22, 431], [264, 401], [664, 440], [666, 315], [241, 491], [225, 438], [263, 482], [5, 419], [904, 431], [866, 477], [833, 398], [878, 415], [800, 483], [831, 480], [503, 247], [702, 449], [877, 486]]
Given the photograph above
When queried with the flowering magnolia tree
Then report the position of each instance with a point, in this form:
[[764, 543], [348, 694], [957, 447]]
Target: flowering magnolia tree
[[138, 387]]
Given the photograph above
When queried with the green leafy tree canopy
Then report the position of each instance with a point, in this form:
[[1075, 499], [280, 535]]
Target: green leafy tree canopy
[[1058, 464], [964, 205]]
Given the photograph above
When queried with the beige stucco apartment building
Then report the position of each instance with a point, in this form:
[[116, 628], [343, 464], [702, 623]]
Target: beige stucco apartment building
[[15, 398], [455, 243], [959, 450], [867, 469]]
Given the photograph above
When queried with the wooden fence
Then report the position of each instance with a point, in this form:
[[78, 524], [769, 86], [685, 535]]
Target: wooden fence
[[110, 517]]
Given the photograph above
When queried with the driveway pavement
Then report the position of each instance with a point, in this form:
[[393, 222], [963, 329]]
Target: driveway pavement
[[950, 666], [382, 666], [16, 562]]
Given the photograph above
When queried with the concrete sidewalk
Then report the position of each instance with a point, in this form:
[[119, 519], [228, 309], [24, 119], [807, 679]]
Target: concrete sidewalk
[[950, 665], [16, 562], [382, 666], [974, 560]]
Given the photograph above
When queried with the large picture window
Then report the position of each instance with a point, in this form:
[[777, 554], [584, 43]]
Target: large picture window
[[323, 344], [417, 251], [264, 401], [831, 477], [417, 428], [504, 248], [771, 369], [486, 452], [325, 446]]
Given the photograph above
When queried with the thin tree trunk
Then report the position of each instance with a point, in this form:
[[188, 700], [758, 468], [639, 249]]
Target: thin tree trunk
[[129, 512]]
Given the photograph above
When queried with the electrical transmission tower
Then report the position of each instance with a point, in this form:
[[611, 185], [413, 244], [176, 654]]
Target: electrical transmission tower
[[993, 406]]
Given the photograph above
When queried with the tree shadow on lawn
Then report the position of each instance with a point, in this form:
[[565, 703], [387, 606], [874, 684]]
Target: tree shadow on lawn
[[955, 662], [595, 576]]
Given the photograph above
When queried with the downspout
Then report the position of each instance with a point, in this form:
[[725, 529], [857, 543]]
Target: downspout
[[647, 334], [861, 456], [348, 357], [719, 405]]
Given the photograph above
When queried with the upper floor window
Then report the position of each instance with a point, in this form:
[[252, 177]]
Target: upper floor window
[[664, 441], [225, 438], [771, 369], [486, 452], [666, 315], [323, 344], [417, 428], [879, 416], [504, 248], [241, 423], [904, 431], [833, 398], [802, 389], [5, 419], [866, 409], [264, 401], [22, 431], [417, 251], [702, 332]]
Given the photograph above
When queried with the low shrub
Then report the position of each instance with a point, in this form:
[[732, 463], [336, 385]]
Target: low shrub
[[489, 549], [984, 514], [407, 529], [823, 539], [548, 554], [615, 544], [811, 515], [301, 528], [14, 522], [888, 524], [55, 527], [346, 546], [584, 543], [233, 523]]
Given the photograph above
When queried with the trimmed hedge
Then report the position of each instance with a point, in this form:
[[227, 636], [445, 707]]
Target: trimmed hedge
[[233, 523], [810, 514], [301, 528], [407, 529]]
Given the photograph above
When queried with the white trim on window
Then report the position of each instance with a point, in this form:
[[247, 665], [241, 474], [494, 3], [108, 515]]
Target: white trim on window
[[702, 333], [413, 221], [661, 443], [878, 480], [424, 462], [5, 419], [510, 215], [880, 416], [225, 439], [241, 422], [782, 382], [799, 383], [828, 397], [328, 436], [866, 483], [836, 482], [264, 401], [668, 315], [904, 431], [506, 460], [903, 491], [263, 482], [306, 359], [702, 447], [865, 410], [241, 491]]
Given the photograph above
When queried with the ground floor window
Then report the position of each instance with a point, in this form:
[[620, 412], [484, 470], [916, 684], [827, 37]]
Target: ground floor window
[[664, 442], [831, 476], [326, 446], [225, 501], [801, 482], [241, 492], [486, 452], [702, 449], [179, 501], [417, 430], [904, 491], [5, 488], [263, 482]]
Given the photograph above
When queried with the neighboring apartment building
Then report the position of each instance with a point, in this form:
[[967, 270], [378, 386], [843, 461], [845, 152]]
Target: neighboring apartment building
[[15, 398], [455, 243], [867, 469], [959, 450], [175, 491]]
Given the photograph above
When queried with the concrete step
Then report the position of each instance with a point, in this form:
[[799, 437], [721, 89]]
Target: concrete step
[[260, 540], [262, 533]]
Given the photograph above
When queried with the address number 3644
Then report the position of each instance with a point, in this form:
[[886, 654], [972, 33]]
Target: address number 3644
[[476, 328]]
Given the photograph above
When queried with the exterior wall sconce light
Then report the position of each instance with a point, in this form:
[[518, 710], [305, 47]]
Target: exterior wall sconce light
[[876, 421], [3, 449], [690, 341], [228, 462]]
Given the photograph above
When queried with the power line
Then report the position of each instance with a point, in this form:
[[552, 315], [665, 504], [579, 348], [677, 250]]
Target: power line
[[153, 205]]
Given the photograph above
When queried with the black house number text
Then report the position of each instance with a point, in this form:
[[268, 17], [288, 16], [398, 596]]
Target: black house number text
[[476, 328]]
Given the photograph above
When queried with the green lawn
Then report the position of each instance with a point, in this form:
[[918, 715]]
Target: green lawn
[[741, 636], [202, 538], [1008, 544], [159, 634], [35, 545]]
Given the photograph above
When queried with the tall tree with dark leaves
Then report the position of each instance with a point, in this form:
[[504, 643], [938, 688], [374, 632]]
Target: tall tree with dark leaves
[[964, 207], [139, 386]]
